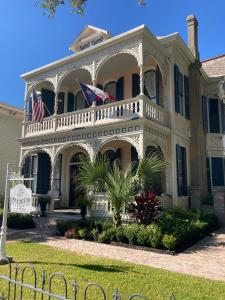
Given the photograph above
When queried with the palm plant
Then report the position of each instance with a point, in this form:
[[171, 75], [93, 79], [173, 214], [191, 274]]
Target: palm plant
[[120, 189], [121, 185]]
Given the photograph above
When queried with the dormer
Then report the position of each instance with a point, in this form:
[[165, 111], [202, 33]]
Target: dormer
[[89, 37]]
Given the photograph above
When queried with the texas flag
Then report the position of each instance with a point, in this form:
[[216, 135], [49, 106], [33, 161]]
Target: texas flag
[[92, 93]]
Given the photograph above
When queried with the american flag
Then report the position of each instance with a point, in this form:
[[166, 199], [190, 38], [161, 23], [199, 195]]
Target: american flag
[[38, 110]]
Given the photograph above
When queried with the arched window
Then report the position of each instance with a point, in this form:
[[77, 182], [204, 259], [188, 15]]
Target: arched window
[[153, 86], [113, 155], [80, 102], [150, 85], [76, 158], [110, 88]]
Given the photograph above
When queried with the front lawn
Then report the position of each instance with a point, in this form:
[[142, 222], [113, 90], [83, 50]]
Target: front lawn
[[156, 284]]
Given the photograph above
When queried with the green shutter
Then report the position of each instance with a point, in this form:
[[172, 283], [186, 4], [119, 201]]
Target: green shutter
[[179, 170], [135, 85], [176, 88], [184, 171], [217, 171], [70, 102], [120, 89], [48, 97], [43, 178], [186, 97]]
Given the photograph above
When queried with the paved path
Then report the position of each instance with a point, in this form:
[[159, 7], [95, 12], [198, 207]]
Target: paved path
[[205, 259]]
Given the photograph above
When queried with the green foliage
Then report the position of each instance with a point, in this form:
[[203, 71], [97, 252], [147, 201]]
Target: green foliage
[[131, 232], [155, 235], [143, 236], [63, 226], [121, 234], [169, 241], [84, 233], [77, 6], [176, 230], [20, 221]]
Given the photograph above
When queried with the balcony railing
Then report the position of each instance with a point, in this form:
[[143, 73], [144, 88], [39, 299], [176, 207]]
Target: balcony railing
[[128, 109]]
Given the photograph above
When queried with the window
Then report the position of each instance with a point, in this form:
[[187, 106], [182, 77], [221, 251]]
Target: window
[[214, 120], [80, 102], [58, 173], [150, 85], [48, 97], [208, 173], [182, 185], [217, 165], [110, 88], [181, 85]]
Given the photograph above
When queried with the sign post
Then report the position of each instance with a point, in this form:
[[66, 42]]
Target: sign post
[[4, 220], [19, 200]]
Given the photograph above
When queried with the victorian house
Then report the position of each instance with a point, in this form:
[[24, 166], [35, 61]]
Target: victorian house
[[166, 100]]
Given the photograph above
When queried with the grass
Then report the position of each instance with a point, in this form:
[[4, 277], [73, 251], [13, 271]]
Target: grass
[[111, 274]]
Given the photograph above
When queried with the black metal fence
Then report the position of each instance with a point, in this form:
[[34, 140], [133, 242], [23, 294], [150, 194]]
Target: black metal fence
[[15, 287]]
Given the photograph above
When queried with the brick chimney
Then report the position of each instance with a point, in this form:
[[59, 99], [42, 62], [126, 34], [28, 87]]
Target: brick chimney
[[192, 24]]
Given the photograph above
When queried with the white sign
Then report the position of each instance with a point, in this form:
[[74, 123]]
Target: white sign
[[20, 199]]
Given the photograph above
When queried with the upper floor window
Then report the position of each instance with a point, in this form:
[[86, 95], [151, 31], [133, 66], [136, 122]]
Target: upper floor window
[[80, 101], [181, 85], [115, 89]]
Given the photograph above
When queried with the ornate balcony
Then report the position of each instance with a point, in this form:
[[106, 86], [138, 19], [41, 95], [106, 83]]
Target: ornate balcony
[[120, 111]]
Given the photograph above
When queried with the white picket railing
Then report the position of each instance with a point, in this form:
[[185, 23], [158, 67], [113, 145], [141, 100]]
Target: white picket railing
[[118, 111]]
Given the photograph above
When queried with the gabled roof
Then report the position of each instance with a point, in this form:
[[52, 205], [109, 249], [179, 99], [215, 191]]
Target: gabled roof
[[215, 66], [11, 110], [87, 33]]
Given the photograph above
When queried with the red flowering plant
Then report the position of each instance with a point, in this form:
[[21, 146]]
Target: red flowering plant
[[145, 208]]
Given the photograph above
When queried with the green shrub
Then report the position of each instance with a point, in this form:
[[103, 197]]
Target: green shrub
[[63, 226], [155, 235], [120, 235], [169, 241], [143, 236], [20, 221], [131, 233], [107, 236], [84, 233], [95, 234]]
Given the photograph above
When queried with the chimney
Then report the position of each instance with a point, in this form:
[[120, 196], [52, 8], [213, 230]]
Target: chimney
[[192, 24]]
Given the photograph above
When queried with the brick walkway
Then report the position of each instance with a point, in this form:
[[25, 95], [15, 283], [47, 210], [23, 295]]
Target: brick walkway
[[205, 259]]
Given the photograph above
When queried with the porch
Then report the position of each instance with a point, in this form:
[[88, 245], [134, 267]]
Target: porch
[[134, 108]]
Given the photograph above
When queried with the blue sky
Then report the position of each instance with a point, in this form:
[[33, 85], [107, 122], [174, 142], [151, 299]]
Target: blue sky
[[30, 40]]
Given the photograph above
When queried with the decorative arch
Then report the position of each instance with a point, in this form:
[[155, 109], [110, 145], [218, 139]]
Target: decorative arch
[[160, 64], [36, 151], [34, 84], [107, 58], [64, 75], [130, 140], [71, 144]]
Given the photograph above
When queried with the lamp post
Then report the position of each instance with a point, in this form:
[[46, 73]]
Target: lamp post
[[3, 256]]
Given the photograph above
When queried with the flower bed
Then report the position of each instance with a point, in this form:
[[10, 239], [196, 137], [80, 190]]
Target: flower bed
[[176, 230]]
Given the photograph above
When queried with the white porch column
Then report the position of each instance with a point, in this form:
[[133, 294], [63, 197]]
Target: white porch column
[[24, 113], [141, 80], [141, 67], [141, 152]]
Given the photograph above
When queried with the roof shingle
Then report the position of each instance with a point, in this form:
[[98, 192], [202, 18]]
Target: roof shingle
[[215, 66]]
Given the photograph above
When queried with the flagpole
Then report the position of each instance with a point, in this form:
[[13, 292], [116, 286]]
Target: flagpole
[[46, 108]]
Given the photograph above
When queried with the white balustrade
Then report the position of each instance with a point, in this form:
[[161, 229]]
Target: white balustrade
[[117, 111]]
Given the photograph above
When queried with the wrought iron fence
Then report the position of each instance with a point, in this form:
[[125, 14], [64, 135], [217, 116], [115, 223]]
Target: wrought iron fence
[[15, 286]]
